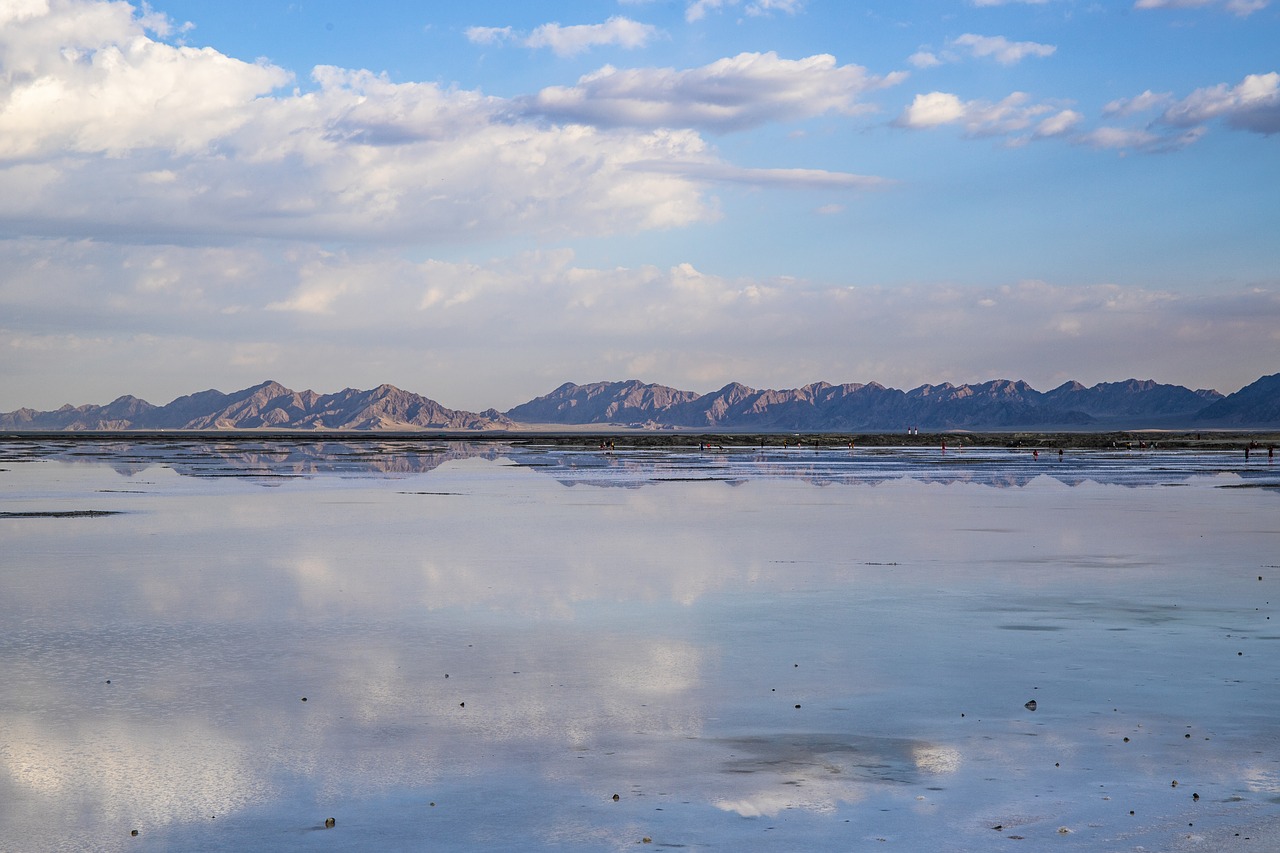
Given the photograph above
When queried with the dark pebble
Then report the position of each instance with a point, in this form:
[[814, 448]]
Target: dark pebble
[[133, 832], [797, 706], [616, 798], [330, 823], [304, 698], [1030, 706]]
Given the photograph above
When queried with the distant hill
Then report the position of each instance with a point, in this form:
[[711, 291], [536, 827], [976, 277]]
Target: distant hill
[[999, 404], [1255, 405], [269, 405]]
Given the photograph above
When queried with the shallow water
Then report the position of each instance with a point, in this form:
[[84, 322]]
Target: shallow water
[[753, 649]]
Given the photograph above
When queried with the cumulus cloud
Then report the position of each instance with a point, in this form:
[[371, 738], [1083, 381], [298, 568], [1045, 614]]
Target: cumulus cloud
[[696, 10], [1148, 100], [488, 35], [735, 93], [572, 40], [1241, 8], [1058, 124], [1000, 48], [1253, 104], [924, 59], [106, 131], [979, 118], [86, 78], [1138, 139]]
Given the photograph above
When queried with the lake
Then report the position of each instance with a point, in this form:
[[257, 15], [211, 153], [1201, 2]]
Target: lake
[[505, 646]]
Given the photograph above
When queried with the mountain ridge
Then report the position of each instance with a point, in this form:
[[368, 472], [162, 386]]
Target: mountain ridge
[[998, 404]]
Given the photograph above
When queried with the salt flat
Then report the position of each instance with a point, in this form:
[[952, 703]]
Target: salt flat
[[477, 646]]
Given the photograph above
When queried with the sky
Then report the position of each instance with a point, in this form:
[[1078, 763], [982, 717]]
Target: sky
[[478, 202]]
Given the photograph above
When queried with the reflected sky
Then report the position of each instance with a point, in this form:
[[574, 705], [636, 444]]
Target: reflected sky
[[472, 628], [270, 461]]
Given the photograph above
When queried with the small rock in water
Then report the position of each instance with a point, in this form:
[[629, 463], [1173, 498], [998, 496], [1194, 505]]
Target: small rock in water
[[616, 798], [330, 823], [133, 832], [1030, 706], [1062, 830], [1195, 797], [1173, 784]]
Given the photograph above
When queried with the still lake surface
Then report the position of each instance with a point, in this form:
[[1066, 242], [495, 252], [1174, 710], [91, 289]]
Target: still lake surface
[[460, 646]]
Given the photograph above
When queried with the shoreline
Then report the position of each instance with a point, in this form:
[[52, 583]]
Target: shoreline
[[613, 438]]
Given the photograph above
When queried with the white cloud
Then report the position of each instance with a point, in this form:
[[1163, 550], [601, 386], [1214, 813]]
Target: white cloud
[[931, 110], [1253, 104], [1012, 114], [185, 141], [572, 40], [788, 178], [696, 10], [1138, 139], [85, 78], [730, 94], [764, 7], [1059, 124], [369, 316], [924, 59], [1148, 100], [1242, 8], [488, 35], [1000, 48]]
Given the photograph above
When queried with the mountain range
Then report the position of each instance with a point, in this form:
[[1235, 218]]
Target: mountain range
[[820, 407]]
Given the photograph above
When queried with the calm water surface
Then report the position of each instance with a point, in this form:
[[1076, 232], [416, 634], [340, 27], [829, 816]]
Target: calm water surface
[[458, 646]]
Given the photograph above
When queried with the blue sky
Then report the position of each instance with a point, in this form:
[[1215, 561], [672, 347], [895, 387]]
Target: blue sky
[[478, 202]]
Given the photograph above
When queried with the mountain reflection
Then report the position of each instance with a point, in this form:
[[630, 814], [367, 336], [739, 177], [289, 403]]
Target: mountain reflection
[[269, 460]]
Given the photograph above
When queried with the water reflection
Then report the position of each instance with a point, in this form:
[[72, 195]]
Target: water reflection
[[269, 460], [747, 667]]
